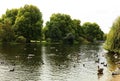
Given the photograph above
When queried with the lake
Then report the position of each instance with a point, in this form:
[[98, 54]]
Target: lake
[[35, 62]]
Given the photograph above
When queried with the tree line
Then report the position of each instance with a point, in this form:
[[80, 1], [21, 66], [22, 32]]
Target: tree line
[[25, 24]]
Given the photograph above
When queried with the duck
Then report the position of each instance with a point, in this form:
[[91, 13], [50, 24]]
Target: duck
[[116, 73], [74, 66], [11, 70], [2, 62], [97, 61], [105, 65], [83, 65], [100, 70], [42, 63]]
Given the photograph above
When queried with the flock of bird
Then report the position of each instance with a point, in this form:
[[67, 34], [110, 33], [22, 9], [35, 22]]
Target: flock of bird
[[12, 67], [101, 62]]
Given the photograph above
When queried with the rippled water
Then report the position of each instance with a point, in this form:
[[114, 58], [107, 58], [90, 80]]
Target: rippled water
[[35, 62]]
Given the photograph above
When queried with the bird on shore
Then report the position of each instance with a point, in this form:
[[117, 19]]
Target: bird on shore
[[100, 70]]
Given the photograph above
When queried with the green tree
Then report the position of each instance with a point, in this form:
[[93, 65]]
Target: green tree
[[10, 15], [78, 31], [92, 31], [6, 32], [29, 23], [112, 43], [7, 21], [58, 27]]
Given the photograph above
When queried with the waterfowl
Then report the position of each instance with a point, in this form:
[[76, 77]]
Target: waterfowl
[[100, 70], [102, 62], [74, 66], [105, 65], [83, 65], [97, 61], [2, 62], [11, 70]]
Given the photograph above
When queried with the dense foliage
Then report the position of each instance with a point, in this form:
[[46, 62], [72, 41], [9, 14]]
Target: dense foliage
[[112, 43], [6, 32], [29, 23], [25, 21], [25, 24], [10, 16], [62, 28], [92, 31]]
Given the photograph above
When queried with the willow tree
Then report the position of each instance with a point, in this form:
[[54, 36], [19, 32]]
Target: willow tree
[[112, 43], [29, 23], [7, 21]]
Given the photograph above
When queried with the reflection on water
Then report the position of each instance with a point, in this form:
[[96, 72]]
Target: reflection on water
[[35, 62]]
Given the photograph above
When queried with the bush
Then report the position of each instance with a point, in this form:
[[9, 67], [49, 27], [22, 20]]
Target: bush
[[21, 39]]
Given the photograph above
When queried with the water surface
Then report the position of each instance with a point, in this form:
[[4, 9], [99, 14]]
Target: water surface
[[35, 62]]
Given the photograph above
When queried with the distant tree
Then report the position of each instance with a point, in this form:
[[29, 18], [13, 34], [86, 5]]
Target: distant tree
[[92, 31], [112, 43], [58, 27], [29, 23]]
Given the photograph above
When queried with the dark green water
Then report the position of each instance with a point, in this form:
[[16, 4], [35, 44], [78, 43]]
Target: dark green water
[[35, 62]]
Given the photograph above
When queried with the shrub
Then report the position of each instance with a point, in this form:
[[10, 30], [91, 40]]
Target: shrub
[[21, 39]]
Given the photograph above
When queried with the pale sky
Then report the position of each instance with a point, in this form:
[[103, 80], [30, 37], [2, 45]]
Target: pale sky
[[103, 12]]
